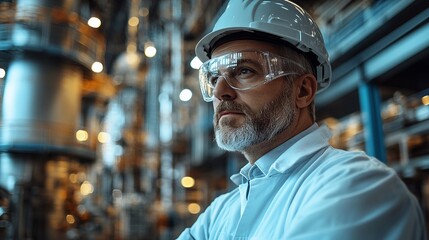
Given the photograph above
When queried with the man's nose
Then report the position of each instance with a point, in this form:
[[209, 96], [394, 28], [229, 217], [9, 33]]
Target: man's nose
[[223, 91]]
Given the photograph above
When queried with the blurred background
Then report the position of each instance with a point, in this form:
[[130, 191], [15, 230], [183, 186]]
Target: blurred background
[[104, 135]]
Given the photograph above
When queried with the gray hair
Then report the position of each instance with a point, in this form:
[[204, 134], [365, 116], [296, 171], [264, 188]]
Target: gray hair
[[304, 68]]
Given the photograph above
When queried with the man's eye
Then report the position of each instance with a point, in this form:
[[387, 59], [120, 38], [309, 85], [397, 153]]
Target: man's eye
[[213, 81], [244, 73]]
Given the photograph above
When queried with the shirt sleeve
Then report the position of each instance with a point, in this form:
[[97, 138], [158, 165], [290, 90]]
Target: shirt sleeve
[[198, 230], [358, 204], [214, 214], [186, 235]]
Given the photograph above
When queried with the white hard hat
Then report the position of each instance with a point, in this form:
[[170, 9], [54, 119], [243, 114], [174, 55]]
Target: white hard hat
[[279, 18]]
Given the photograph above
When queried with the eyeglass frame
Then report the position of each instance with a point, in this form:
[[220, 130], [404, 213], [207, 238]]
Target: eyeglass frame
[[272, 75]]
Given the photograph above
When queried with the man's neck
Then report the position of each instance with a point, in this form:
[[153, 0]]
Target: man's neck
[[254, 152]]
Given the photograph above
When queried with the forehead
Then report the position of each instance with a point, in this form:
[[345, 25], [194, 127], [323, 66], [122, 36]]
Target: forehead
[[242, 45]]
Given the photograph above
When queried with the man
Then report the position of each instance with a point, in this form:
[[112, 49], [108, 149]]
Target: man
[[265, 61]]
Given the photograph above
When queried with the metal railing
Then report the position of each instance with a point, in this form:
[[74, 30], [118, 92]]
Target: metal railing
[[359, 24]]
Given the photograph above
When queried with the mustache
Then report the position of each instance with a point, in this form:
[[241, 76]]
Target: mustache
[[230, 106]]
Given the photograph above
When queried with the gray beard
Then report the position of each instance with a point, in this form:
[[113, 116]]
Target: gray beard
[[271, 120]]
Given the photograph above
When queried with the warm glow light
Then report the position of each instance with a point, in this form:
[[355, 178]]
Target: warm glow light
[[103, 137], [185, 95], [70, 219], [73, 178], [131, 48], [196, 63], [2, 73], [194, 208], [149, 50], [94, 22], [97, 67], [133, 21], [188, 182], [82, 135], [133, 59], [425, 100], [86, 188]]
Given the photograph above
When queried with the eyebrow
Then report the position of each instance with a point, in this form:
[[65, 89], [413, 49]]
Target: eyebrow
[[248, 60]]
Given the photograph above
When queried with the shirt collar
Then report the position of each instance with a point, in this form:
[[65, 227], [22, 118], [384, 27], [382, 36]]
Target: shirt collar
[[263, 165], [302, 150]]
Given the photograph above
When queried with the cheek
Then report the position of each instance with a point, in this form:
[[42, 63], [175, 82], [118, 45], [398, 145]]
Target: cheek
[[215, 103], [258, 102]]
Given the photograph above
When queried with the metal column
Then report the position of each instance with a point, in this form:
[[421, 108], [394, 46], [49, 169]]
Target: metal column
[[369, 98]]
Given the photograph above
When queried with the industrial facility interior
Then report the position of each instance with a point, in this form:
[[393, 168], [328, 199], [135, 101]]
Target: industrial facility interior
[[104, 134]]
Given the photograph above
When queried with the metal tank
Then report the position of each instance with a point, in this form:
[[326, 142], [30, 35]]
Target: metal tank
[[48, 52]]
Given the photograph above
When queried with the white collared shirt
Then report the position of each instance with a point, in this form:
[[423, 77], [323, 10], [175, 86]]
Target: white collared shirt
[[305, 189]]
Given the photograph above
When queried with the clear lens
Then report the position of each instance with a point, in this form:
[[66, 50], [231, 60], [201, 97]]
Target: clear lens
[[243, 70]]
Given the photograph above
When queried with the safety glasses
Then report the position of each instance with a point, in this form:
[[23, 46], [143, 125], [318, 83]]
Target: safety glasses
[[244, 70]]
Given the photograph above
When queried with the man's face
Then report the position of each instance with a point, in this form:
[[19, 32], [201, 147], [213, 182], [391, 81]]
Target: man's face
[[244, 118]]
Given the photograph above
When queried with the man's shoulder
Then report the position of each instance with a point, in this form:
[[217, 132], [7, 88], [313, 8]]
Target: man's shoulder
[[351, 161], [349, 171], [226, 198]]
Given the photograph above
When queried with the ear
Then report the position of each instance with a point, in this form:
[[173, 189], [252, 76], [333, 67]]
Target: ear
[[306, 86]]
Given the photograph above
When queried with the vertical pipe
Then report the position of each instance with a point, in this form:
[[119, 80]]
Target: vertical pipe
[[369, 97], [167, 102]]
